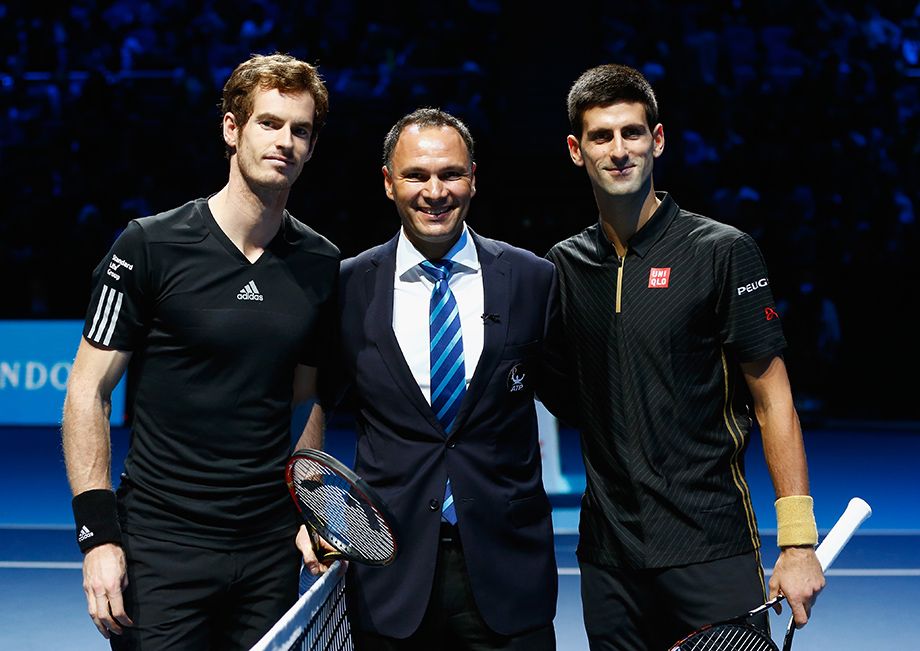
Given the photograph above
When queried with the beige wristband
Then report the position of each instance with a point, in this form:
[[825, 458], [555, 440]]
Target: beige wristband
[[795, 521]]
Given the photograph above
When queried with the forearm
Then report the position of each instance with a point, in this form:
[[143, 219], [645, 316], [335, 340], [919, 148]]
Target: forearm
[[779, 425], [783, 448], [85, 424], [87, 456], [86, 441], [784, 451], [797, 573], [314, 431]]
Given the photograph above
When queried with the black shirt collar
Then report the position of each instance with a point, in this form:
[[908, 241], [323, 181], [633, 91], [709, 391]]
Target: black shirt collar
[[287, 230], [643, 239]]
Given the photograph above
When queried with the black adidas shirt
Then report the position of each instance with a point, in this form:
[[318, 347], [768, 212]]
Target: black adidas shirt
[[215, 341], [656, 339]]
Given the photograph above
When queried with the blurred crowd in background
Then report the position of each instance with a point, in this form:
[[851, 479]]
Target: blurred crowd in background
[[798, 122]]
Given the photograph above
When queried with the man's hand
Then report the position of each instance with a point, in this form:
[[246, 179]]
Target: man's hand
[[104, 579], [797, 575], [308, 542]]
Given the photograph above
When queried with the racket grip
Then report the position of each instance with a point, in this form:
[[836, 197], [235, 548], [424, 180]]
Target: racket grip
[[855, 514], [324, 555]]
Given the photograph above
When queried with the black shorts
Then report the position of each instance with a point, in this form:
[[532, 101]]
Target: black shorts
[[650, 609], [190, 598]]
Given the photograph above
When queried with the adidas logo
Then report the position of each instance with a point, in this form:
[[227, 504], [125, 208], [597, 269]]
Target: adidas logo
[[85, 534], [250, 292]]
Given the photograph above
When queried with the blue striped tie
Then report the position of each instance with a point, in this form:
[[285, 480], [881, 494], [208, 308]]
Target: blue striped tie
[[448, 374]]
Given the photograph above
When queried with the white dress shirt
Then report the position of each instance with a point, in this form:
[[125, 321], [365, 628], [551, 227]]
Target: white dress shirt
[[412, 289]]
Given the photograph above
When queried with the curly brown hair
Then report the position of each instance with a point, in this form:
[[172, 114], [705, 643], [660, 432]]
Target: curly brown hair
[[273, 71]]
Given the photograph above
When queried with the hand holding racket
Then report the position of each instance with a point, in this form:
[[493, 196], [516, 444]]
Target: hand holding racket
[[799, 578], [341, 509], [318, 555], [735, 634]]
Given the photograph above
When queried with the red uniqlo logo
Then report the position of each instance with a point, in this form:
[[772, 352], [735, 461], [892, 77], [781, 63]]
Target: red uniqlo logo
[[658, 277]]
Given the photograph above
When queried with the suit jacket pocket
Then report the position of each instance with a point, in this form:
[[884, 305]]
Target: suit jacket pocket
[[527, 510]]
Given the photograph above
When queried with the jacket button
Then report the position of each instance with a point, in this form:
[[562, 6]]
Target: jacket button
[[452, 445], [433, 505]]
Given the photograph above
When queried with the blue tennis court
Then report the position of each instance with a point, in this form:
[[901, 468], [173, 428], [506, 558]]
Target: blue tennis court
[[873, 589]]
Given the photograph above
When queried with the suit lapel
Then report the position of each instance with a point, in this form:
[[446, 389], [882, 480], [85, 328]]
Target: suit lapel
[[379, 290], [496, 287]]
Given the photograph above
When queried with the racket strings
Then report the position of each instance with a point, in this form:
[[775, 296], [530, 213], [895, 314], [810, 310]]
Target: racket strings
[[727, 637], [340, 515]]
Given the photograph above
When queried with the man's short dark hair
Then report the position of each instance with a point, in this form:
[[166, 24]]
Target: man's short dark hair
[[274, 71], [609, 84], [424, 118]]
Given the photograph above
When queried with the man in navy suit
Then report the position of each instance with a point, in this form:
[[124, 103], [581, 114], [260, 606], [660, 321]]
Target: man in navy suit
[[444, 336]]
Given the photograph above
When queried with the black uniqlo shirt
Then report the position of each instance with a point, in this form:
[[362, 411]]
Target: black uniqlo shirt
[[656, 339], [215, 341]]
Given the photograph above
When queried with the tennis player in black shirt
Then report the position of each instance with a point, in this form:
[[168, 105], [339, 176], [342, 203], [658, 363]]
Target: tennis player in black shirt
[[674, 336], [222, 308]]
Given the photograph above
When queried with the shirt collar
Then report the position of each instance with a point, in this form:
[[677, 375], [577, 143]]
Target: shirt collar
[[643, 239], [462, 254]]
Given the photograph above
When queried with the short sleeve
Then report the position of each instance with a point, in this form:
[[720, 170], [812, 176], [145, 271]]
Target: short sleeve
[[320, 340], [749, 322], [332, 380], [116, 316]]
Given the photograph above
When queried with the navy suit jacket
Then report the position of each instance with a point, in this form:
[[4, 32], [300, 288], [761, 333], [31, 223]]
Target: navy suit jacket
[[492, 456]]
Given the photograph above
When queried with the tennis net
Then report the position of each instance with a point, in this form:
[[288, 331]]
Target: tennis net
[[317, 622]]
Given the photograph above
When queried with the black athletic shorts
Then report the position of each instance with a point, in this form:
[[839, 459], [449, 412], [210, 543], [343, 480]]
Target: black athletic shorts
[[650, 609], [189, 598]]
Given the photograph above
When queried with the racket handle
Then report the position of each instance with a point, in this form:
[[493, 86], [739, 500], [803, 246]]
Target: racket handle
[[790, 633], [324, 555], [856, 513]]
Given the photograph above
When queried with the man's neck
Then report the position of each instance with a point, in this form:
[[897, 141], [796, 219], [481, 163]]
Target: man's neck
[[622, 216], [249, 218], [432, 251]]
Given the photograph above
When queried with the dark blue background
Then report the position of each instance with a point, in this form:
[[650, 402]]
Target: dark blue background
[[797, 122]]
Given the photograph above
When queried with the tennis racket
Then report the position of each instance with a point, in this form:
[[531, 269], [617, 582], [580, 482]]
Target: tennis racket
[[341, 508], [736, 634]]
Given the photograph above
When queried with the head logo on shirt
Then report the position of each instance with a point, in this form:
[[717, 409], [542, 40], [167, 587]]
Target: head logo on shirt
[[659, 276]]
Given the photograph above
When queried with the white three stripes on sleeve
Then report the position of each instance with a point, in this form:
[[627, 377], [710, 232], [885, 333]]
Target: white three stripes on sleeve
[[109, 315]]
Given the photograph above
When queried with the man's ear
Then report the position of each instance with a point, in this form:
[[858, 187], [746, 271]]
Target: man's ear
[[574, 150], [231, 130], [658, 138], [387, 181]]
